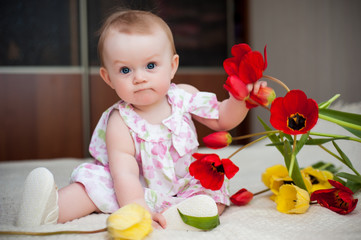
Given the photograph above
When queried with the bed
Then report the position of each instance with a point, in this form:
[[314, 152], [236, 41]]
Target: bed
[[257, 220]]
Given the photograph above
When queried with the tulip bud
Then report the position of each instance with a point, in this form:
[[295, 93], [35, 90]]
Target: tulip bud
[[242, 197], [217, 140], [264, 97]]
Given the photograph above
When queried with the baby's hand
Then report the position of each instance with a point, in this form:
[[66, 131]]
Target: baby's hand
[[158, 220], [256, 86]]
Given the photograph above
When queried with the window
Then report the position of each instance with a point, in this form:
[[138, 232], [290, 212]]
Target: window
[[41, 32]]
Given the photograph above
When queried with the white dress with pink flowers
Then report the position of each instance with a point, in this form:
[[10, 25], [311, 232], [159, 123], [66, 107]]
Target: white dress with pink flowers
[[163, 152]]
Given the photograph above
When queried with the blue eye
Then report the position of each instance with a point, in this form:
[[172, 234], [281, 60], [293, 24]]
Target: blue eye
[[125, 70], [151, 65]]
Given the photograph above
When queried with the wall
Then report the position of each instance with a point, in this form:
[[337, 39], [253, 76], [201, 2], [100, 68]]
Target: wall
[[311, 45]]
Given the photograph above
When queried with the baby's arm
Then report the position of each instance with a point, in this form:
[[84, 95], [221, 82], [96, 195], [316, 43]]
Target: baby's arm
[[123, 166], [231, 111]]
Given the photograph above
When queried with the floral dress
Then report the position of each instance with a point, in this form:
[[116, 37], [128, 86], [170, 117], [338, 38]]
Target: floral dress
[[163, 153]]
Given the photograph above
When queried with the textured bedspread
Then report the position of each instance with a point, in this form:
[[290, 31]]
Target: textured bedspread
[[258, 220]]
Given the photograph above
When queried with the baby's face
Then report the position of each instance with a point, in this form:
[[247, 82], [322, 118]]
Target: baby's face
[[139, 67]]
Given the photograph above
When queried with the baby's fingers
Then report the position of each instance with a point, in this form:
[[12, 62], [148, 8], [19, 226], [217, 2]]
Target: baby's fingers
[[158, 221], [257, 85]]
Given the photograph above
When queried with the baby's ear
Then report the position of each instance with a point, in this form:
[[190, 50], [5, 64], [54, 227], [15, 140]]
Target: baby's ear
[[175, 64], [105, 76]]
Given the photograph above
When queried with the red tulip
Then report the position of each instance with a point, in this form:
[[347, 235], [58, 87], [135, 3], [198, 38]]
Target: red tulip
[[217, 140], [264, 97], [339, 199], [236, 87], [294, 114], [209, 169], [245, 67], [242, 197], [246, 64]]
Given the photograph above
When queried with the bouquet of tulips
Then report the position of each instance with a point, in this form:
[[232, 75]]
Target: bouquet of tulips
[[292, 117]]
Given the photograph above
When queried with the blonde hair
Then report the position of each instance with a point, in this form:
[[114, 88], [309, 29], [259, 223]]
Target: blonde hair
[[132, 21]]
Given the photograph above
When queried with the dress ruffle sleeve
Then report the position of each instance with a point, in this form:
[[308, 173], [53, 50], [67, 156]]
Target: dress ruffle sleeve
[[204, 104]]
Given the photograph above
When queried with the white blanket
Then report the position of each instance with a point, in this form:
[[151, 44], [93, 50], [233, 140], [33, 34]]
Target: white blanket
[[257, 220]]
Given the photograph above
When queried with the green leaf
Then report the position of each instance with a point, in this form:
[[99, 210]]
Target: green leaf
[[295, 172], [204, 223], [345, 159], [351, 177], [289, 137], [325, 166], [350, 121], [319, 141], [353, 181], [355, 132], [273, 137], [314, 141], [301, 142]]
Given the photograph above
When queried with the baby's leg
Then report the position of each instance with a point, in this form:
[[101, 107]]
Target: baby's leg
[[74, 203], [221, 208]]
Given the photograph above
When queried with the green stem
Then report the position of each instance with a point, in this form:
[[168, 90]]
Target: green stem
[[329, 152], [340, 159], [328, 103], [341, 123], [247, 145], [50, 233], [277, 81], [293, 157], [260, 192], [254, 134], [336, 136]]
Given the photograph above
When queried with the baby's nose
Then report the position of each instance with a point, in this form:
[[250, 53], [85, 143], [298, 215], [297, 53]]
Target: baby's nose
[[139, 77]]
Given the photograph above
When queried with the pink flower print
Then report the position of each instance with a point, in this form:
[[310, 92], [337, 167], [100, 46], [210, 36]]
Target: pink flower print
[[103, 147], [165, 205], [216, 198], [180, 104], [93, 151], [174, 154], [171, 99], [106, 168], [137, 119], [160, 183], [106, 181], [138, 139], [149, 172], [205, 114], [214, 102], [90, 166], [159, 150], [157, 164]]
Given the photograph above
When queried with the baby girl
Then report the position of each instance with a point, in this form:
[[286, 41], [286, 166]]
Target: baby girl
[[143, 144]]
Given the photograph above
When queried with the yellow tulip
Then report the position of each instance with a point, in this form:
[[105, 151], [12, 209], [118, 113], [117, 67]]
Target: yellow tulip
[[274, 172], [130, 222], [277, 182], [318, 178], [292, 199]]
